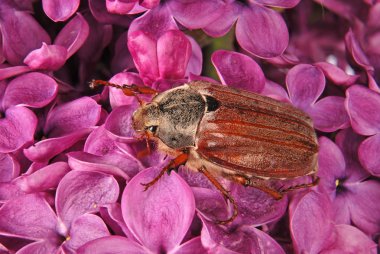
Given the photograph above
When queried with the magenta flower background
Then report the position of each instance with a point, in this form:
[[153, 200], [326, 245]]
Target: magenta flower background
[[71, 166]]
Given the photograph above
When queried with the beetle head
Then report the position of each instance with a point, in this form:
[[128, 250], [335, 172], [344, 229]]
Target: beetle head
[[146, 118]]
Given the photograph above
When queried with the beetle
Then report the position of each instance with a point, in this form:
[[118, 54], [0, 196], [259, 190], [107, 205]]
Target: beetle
[[226, 132]]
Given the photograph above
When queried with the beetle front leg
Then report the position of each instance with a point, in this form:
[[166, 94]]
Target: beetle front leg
[[225, 193], [173, 164]]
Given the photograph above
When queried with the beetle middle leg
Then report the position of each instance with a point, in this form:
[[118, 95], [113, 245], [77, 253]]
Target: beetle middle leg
[[173, 164], [258, 184], [225, 193]]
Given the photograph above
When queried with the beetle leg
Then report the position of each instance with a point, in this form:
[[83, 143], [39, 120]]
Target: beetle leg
[[225, 193], [258, 184], [176, 162], [301, 186]]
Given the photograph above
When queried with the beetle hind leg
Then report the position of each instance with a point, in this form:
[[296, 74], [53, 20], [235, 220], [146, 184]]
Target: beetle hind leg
[[258, 184], [225, 193], [315, 181]]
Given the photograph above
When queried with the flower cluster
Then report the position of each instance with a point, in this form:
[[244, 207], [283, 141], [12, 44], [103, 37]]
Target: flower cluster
[[71, 166]]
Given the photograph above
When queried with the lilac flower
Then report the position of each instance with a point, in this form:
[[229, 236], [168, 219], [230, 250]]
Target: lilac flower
[[71, 225]]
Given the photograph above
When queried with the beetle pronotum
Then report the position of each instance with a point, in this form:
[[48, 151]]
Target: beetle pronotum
[[222, 131]]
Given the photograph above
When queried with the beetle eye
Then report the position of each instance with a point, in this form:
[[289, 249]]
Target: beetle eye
[[152, 128]]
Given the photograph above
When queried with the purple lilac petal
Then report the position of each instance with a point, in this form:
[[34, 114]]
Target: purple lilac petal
[[369, 154], [9, 168], [122, 59], [193, 246], [84, 229], [362, 199], [8, 72], [224, 22], [99, 143], [353, 47], [73, 35], [39, 223], [48, 57], [262, 31], [43, 179], [9, 191], [149, 4], [21, 34], [72, 116], [16, 128], [117, 97], [99, 12], [351, 240], [256, 207], [160, 216], [81, 192], [267, 243], [112, 216], [112, 245], [348, 142], [238, 71], [60, 10], [329, 114], [337, 75], [161, 18], [119, 123], [173, 54], [279, 3], [210, 203], [196, 59], [33, 89], [363, 107], [275, 91], [311, 223], [220, 240], [120, 7], [40, 247], [143, 49], [44, 150], [197, 13], [124, 165], [305, 84]]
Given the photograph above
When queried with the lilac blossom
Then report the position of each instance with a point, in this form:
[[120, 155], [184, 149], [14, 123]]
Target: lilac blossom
[[71, 165]]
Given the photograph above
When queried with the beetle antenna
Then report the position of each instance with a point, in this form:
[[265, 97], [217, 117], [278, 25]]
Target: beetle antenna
[[129, 90]]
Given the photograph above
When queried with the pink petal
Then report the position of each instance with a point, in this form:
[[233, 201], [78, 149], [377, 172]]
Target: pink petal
[[99, 12], [99, 143], [238, 71], [117, 97], [193, 246], [310, 223], [73, 34], [173, 54], [21, 34], [224, 22], [161, 18], [267, 243], [40, 247], [351, 240], [262, 31], [196, 14], [48, 57], [60, 10], [33, 89], [210, 204], [9, 168], [275, 91], [353, 47], [329, 114], [337, 75], [46, 149], [112, 245], [363, 105], [195, 62], [279, 3], [149, 4], [369, 153], [43, 179], [120, 7], [72, 116], [112, 216], [81, 192], [159, 217], [305, 84], [143, 49], [16, 128], [125, 165], [8, 72], [122, 60], [85, 228], [119, 123], [39, 223]]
